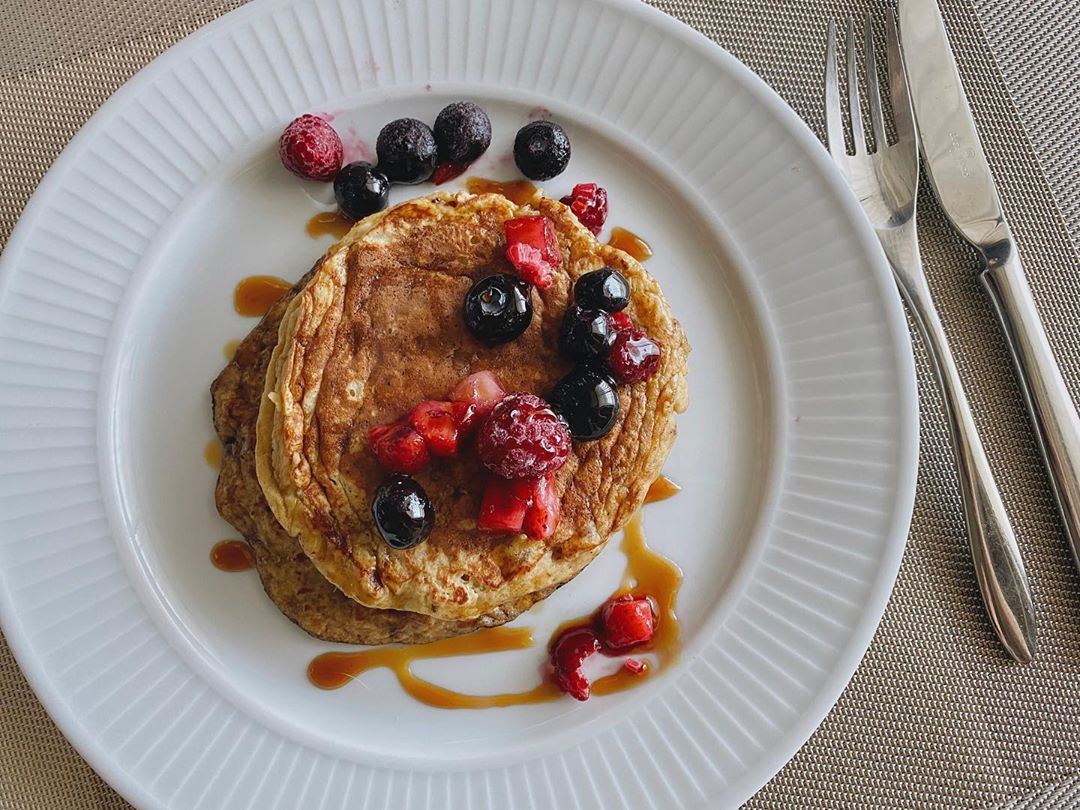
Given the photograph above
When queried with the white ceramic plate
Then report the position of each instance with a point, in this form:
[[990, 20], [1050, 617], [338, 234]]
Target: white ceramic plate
[[184, 686]]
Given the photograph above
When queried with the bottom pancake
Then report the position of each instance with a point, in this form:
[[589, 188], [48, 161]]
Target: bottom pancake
[[289, 578]]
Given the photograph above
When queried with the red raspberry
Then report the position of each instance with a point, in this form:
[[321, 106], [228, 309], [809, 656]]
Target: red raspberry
[[619, 321], [523, 438], [435, 421], [399, 448], [542, 516], [533, 248], [633, 357], [588, 201], [567, 656], [503, 507], [310, 148], [474, 397], [627, 621]]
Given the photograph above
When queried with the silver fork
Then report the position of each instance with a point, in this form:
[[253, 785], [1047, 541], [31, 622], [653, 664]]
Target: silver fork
[[886, 182]]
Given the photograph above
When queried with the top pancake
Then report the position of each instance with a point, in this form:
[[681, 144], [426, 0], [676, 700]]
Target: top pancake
[[378, 328]]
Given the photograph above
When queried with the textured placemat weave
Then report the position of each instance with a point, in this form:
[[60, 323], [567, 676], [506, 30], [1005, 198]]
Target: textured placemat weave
[[935, 715]]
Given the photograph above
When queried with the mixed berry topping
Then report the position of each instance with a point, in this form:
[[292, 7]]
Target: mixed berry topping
[[586, 333], [620, 321], [541, 150], [568, 656], [474, 398], [399, 448], [532, 247], [361, 189], [435, 421], [402, 511], [627, 621], [633, 357], [498, 308], [605, 289], [310, 148], [588, 402], [588, 201], [462, 133], [529, 506], [523, 438], [406, 150]]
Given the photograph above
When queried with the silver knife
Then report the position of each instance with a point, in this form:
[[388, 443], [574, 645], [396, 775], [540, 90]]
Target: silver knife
[[961, 178]]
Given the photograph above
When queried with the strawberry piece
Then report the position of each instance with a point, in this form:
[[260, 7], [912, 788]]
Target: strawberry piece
[[399, 448], [533, 249], [474, 397], [567, 656], [588, 201], [435, 421], [633, 666], [627, 621], [620, 321], [447, 171], [503, 507], [542, 516]]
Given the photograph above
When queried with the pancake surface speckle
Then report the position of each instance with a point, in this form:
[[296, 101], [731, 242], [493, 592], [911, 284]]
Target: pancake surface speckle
[[376, 329]]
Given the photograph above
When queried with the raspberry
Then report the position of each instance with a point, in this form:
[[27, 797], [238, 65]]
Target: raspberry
[[435, 421], [399, 448], [569, 653], [627, 621], [633, 357], [620, 321], [532, 248], [523, 438], [310, 148], [588, 201]]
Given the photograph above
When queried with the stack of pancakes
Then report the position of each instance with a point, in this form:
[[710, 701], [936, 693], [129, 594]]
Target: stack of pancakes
[[374, 328]]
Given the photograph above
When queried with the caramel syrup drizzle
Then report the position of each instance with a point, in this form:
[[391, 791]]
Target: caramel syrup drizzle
[[518, 192], [255, 295], [213, 453], [335, 223], [232, 555], [630, 242]]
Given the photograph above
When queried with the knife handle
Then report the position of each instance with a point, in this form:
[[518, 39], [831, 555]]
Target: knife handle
[[999, 569], [1053, 413]]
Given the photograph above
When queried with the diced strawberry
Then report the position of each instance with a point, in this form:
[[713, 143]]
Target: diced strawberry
[[503, 507], [447, 171], [542, 516], [533, 249], [627, 621], [567, 656], [633, 666], [436, 423], [474, 397], [620, 321], [399, 448]]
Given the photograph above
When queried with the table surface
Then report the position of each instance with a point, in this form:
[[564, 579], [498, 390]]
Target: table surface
[[936, 713]]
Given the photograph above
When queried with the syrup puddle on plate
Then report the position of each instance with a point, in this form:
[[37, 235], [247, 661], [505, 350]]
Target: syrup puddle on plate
[[230, 349], [232, 555], [255, 295], [213, 453], [518, 192], [334, 223], [647, 573], [629, 242]]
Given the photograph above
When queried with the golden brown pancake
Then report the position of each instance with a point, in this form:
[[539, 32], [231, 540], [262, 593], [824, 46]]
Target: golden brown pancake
[[290, 579], [378, 328]]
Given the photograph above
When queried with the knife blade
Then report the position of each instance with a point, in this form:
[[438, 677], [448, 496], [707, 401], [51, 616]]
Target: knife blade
[[964, 185]]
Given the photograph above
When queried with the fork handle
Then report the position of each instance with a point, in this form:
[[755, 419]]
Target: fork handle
[[999, 570], [1052, 410]]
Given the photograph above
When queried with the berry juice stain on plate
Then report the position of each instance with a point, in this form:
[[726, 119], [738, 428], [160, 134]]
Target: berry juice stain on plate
[[334, 223], [255, 295], [213, 453], [639, 618], [232, 555], [630, 243], [518, 192]]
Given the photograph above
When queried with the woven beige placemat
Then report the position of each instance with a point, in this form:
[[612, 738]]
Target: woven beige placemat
[[935, 714]]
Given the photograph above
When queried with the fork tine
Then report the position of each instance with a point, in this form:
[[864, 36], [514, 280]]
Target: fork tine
[[858, 137], [898, 92], [877, 117], [834, 123]]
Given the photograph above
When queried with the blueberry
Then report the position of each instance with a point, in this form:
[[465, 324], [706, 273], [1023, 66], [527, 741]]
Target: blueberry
[[605, 289], [402, 511], [406, 150], [586, 333], [541, 150], [462, 132], [498, 308], [361, 189], [588, 402]]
